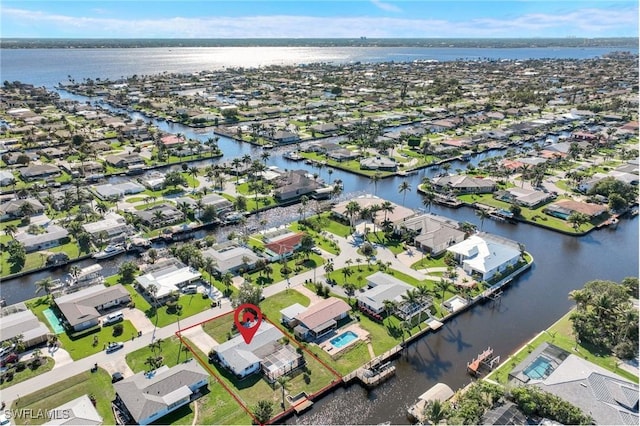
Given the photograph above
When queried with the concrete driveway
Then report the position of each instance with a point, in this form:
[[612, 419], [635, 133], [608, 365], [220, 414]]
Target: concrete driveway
[[139, 320]]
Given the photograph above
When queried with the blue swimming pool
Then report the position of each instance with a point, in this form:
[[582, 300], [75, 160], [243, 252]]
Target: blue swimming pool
[[53, 321], [539, 369], [343, 339]]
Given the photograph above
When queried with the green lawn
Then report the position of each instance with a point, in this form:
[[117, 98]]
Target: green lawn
[[83, 347], [219, 328], [360, 272], [379, 237], [272, 306], [27, 373], [429, 262], [531, 215], [276, 276], [561, 335], [170, 350], [36, 259], [97, 384]]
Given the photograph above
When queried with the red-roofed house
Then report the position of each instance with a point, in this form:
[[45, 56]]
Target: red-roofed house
[[585, 136], [171, 140], [283, 246]]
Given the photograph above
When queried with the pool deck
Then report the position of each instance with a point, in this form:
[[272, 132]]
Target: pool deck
[[55, 325], [333, 350]]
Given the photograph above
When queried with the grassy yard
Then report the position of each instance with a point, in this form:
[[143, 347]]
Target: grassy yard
[[84, 346], [429, 262], [27, 373], [219, 328], [303, 264], [360, 272], [272, 306], [97, 384], [561, 334], [531, 215], [170, 349]]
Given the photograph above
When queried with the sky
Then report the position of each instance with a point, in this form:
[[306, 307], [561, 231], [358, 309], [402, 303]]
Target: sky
[[318, 19]]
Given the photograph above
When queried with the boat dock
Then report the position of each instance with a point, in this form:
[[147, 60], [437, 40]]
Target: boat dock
[[485, 361]]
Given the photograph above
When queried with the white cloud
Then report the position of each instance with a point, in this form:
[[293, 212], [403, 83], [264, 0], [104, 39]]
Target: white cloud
[[591, 22], [387, 7]]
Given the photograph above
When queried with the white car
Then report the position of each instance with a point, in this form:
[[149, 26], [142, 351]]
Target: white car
[[4, 420]]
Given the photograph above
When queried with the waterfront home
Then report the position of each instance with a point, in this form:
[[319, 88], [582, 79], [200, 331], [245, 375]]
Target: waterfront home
[[294, 184], [283, 246], [607, 397], [264, 352], [79, 411], [153, 181], [463, 184], [123, 160], [483, 255], [529, 198], [47, 237], [82, 310], [115, 191], [563, 209], [381, 287], [14, 209], [167, 276], [160, 215], [628, 178], [11, 158], [379, 163], [231, 257], [17, 320], [53, 153], [284, 136], [39, 171], [149, 396], [112, 225], [320, 318], [432, 233], [220, 203]]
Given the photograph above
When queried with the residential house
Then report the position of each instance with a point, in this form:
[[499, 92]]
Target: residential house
[[6, 178], [13, 209], [231, 258], [605, 396], [529, 198], [51, 237], [320, 318], [112, 224], [294, 184], [39, 171], [379, 163], [115, 191], [433, 233], [264, 352], [23, 323], [82, 309], [288, 315], [149, 396], [168, 215], [171, 141], [79, 411], [483, 255], [381, 287], [221, 204], [463, 184], [283, 246], [629, 178], [284, 136], [53, 153], [563, 209], [395, 217], [124, 160], [167, 276]]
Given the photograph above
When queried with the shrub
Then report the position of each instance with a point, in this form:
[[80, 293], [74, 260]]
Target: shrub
[[20, 365], [117, 330]]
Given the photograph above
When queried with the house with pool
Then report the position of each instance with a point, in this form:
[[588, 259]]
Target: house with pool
[[82, 310], [265, 352], [321, 318]]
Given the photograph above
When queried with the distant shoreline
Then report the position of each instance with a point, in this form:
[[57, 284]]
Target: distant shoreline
[[571, 42]]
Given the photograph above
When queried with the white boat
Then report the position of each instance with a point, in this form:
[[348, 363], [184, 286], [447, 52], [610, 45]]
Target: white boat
[[109, 251]]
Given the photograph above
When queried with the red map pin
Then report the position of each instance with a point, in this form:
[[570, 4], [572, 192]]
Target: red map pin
[[247, 318]]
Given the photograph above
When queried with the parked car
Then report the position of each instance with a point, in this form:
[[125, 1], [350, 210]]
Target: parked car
[[9, 358], [190, 289], [113, 318], [114, 346], [316, 250], [116, 377]]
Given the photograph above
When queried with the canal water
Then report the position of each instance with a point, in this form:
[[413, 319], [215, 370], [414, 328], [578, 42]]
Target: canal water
[[533, 302]]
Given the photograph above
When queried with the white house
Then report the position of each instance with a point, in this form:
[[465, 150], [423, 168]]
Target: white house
[[168, 278], [79, 411], [150, 396], [483, 255]]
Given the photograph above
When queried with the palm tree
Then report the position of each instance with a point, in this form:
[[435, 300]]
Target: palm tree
[[375, 179], [45, 285], [434, 411], [347, 272], [443, 285], [352, 208], [387, 207], [193, 172], [10, 230], [403, 188], [427, 199], [389, 307], [283, 381], [236, 165], [577, 219], [482, 214], [581, 298], [209, 264], [227, 280], [102, 208]]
